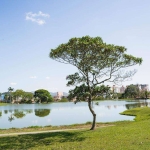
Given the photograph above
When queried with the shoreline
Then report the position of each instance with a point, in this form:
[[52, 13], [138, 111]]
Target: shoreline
[[50, 128]]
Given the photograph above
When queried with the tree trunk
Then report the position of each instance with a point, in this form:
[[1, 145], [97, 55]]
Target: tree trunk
[[94, 115]]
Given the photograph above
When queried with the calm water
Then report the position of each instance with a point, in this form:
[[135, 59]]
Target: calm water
[[25, 115]]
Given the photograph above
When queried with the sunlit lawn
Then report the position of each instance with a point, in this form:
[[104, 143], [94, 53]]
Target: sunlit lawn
[[126, 135], [2, 104]]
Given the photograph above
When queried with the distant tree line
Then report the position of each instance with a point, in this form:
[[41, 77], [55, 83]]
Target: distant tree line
[[20, 96], [133, 91]]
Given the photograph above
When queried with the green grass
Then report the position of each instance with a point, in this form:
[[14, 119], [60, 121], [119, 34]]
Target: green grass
[[3, 104], [142, 113], [125, 135]]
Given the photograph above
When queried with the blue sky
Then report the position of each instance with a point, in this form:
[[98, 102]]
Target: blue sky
[[30, 29]]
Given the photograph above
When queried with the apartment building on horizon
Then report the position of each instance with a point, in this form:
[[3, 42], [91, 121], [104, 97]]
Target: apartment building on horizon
[[117, 89]]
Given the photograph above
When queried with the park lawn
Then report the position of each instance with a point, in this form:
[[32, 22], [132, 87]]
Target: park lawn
[[125, 135], [3, 104], [140, 113]]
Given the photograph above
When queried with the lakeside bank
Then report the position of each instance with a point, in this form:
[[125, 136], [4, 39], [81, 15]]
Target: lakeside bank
[[126, 135]]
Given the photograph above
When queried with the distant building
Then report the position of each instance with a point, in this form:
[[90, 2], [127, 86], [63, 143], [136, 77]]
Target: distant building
[[115, 89], [143, 87], [58, 96], [122, 89]]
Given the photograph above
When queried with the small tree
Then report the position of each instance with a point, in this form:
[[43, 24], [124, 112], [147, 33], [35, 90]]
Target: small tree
[[43, 95], [96, 61]]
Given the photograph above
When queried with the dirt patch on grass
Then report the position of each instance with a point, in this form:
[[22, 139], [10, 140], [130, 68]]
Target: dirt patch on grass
[[52, 128]]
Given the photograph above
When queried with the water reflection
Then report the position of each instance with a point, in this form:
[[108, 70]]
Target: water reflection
[[25, 115], [29, 111], [18, 114], [5, 111], [10, 111], [11, 118], [130, 106], [42, 112]]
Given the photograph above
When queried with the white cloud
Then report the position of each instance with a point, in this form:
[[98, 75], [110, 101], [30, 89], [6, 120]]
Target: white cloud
[[13, 83], [37, 17], [47, 78], [33, 77]]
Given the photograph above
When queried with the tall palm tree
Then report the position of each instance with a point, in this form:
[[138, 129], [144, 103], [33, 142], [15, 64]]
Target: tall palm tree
[[10, 90]]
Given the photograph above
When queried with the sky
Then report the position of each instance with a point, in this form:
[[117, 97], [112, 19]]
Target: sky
[[30, 29]]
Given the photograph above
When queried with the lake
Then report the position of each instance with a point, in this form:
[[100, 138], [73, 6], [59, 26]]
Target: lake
[[25, 115]]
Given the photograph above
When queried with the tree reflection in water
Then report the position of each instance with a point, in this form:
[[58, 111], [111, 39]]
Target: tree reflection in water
[[18, 114], [11, 118], [0, 113], [42, 112], [28, 111], [5, 111], [130, 106]]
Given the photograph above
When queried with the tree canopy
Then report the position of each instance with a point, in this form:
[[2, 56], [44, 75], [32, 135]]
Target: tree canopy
[[18, 93], [43, 95], [96, 61], [132, 91]]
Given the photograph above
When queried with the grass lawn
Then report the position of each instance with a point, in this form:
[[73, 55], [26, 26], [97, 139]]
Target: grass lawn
[[3, 104], [125, 135]]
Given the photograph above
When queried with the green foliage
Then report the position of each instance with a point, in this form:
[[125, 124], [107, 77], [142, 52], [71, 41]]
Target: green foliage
[[81, 93], [18, 114], [28, 101], [42, 112], [28, 96], [144, 94], [132, 91], [43, 95], [142, 113], [18, 93], [10, 90], [34, 127], [7, 97], [97, 62], [99, 98], [64, 100], [0, 113], [3, 104]]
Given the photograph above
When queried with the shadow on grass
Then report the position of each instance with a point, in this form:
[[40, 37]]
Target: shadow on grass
[[44, 139]]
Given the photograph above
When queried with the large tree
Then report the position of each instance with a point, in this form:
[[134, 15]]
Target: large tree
[[132, 91], [28, 96], [18, 94], [43, 95], [96, 61]]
